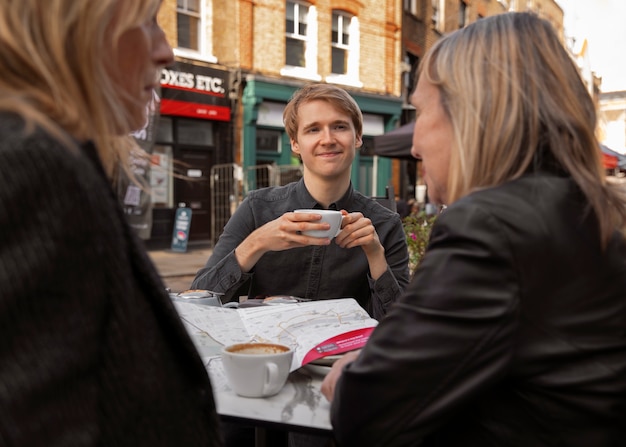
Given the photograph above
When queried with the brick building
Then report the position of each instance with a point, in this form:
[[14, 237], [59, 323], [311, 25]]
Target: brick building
[[239, 61]]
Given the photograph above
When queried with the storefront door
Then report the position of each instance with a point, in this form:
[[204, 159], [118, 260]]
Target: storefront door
[[195, 189]]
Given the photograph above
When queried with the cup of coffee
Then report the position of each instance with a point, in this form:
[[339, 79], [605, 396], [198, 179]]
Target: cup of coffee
[[331, 217], [257, 369]]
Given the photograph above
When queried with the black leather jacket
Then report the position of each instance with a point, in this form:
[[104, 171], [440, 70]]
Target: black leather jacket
[[513, 332]]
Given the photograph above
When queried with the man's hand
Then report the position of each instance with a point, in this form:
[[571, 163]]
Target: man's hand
[[280, 234], [358, 231]]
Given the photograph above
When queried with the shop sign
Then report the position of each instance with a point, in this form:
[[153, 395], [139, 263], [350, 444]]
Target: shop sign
[[195, 91], [182, 224]]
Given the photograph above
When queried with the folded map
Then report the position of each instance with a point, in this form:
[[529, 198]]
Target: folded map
[[314, 329]]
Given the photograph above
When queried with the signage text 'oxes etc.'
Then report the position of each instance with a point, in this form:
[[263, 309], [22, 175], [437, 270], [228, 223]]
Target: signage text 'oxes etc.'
[[183, 79]]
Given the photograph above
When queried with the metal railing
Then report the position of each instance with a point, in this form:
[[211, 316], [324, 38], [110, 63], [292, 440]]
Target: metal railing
[[230, 184]]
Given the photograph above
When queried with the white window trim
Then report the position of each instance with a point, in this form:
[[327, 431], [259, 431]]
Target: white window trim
[[439, 14], [195, 55], [351, 78], [412, 7], [309, 71], [204, 51]]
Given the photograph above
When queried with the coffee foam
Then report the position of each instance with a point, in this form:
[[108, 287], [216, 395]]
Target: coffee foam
[[258, 349]]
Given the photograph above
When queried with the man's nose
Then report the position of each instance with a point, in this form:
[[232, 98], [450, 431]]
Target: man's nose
[[327, 135]]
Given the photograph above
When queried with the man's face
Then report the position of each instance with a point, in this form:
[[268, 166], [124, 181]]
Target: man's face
[[326, 140]]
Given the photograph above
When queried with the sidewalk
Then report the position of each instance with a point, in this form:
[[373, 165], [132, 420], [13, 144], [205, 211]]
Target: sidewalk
[[180, 267]]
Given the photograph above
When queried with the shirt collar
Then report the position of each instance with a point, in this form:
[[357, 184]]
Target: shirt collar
[[306, 200]]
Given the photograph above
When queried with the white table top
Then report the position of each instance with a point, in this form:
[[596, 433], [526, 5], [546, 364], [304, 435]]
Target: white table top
[[299, 406]]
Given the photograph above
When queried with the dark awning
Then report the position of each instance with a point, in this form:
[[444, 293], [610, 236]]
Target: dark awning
[[396, 143]]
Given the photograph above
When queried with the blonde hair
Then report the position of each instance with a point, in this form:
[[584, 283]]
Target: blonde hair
[[331, 94], [54, 57], [517, 104]]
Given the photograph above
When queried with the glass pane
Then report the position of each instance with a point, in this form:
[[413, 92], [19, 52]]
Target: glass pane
[[346, 38], [164, 132], [339, 64], [289, 27], [302, 28], [290, 14], [180, 4], [195, 132], [182, 27], [368, 146], [302, 13], [193, 5], [161, 185], [268, 140], [294, 52], [187, 27]]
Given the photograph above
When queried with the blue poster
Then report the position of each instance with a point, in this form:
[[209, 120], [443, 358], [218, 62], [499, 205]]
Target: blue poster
[[182, 224]]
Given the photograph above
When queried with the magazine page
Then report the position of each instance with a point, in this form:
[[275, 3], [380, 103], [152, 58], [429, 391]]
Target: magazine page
[[313, 330]]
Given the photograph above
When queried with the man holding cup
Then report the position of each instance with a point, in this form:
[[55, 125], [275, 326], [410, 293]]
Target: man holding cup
[[269, 246]]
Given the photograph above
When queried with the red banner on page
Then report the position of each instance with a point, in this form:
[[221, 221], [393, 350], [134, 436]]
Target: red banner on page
[[348, 341]]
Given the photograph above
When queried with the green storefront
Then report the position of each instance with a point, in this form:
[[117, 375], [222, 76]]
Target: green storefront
[[266, 142]]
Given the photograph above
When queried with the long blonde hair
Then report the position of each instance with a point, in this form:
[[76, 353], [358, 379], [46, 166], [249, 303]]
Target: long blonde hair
[[54, 57], [517, 103]]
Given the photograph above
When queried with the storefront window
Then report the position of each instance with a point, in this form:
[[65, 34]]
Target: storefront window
[[197, 132], [268, 140], [161, 185], [165, 132]]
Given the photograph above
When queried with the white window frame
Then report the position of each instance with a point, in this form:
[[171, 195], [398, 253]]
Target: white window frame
[[439, 14], [309, 71], [351, 77], [343, 21], [411, 6], [204, 50]]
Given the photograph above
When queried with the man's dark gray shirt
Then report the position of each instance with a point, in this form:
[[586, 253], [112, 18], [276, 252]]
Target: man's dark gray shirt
[[314, 272]]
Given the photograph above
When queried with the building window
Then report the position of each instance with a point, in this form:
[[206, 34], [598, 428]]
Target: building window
[[196, 132], [268, 140], [188, 24], [340, 43], [300, 41], [345, 50], [296, 34], [462, 13], [439, 15], [411, 6], [410, 75]]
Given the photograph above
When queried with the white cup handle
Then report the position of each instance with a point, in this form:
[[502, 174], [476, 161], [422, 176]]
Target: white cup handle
[[272, 378], [339, 229]]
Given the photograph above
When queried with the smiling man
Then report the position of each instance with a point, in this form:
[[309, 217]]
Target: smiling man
[[262, 244]]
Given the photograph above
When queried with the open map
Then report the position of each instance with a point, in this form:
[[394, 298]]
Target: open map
[[313, 329]]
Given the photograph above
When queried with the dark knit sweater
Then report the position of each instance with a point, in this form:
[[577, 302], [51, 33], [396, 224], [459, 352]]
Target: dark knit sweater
[[91, 349]]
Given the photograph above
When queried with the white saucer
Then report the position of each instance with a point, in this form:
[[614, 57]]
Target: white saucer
[[317, 369], [326, 361]]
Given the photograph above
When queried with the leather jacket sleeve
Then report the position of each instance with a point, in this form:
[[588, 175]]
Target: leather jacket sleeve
[[447, 337]]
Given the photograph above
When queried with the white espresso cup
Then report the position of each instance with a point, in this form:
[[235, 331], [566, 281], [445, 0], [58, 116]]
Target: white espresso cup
[[331, 217], [257, 369]]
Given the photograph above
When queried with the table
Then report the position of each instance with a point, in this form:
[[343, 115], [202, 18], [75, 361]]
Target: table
[[299, 407]]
